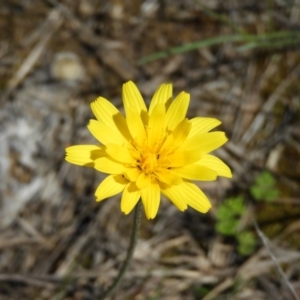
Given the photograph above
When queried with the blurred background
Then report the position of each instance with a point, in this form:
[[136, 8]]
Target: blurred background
[[239, 60]]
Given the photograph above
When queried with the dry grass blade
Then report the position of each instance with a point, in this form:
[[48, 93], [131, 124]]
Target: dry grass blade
[[258, 121], [275, 261], [16, 278], [104, 51], [54, 21]]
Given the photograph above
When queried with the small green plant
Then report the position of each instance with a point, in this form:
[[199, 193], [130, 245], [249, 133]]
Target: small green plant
[[229, 214], [246, 242], [228, 219], [200, 291], [232, 209], [264, 187]]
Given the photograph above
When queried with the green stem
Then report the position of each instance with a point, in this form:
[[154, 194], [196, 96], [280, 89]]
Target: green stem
[[133, 240]]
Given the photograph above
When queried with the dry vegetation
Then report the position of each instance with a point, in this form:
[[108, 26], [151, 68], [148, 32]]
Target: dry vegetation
[[56, 242]]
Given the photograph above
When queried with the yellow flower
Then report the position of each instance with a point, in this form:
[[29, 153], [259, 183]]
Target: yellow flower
[[152, 151]]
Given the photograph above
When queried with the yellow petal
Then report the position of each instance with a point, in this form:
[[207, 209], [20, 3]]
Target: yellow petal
[[203, 125], [162, 95], [180, 133], [110, 186], [151, 199], [177, 110], [121, 125], [119, 153], [196, 172], [168, 176], [83, 155], [133, 98], [215, 164], [182, 158], [173, 193], [156, 126], [132, 174], [194, 197], [107, 165], [143, 180], [103, 110], [108, 114], [205, 142], [104, 134], [130, 197], [135, 124]]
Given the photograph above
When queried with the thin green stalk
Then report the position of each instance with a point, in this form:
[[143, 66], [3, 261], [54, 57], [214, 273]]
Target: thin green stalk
[[249, 41], [191, 46], [133, 240]]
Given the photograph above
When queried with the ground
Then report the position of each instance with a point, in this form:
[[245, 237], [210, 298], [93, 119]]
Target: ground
[[239, 60]]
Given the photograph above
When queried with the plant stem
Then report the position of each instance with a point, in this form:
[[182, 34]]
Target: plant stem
[[133, 240]]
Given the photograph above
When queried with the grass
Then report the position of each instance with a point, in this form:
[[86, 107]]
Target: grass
[[243, 42]]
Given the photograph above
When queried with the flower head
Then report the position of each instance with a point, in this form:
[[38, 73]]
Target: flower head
[[152, 151]]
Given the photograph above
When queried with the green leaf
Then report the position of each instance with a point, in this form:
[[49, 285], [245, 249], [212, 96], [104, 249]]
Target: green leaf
[[228, 215], [227, 227], [246, 242], [231, 207], [264, 187]]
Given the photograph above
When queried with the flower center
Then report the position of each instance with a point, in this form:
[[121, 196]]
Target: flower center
[[148, 162], [150, 158]]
